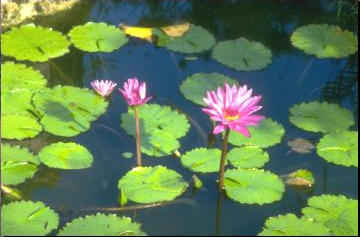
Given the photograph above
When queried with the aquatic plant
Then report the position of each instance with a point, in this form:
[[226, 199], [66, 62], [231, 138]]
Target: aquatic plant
[[103, 87]]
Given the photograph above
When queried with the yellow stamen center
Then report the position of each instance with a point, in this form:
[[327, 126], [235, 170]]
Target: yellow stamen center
[[230, 116]]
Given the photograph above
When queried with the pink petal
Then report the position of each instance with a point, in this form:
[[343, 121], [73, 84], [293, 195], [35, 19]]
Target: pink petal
[[240, 129], [218, 129]]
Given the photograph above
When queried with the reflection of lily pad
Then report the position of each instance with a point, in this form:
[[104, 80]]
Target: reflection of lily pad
[[19, 126], [194, 88], [321, 117], [301, 145], [34, 43], [202, 160], [66, 156], [152, 184], [97, 37], [102, 225], [27, 218], [242, 54], [340, 148], [325, 41], [253, 186], [266, 134], [337, 213], [248, 157]]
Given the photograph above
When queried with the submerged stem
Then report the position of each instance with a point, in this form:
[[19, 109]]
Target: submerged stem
[[223, 159], [138, 137]]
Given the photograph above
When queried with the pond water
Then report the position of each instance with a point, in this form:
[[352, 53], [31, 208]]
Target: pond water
[[293, 77]]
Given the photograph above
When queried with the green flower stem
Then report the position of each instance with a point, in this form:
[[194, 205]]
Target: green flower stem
[[223, 159], [138, 137]]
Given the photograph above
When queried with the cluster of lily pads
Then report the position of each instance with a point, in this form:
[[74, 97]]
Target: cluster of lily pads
[[29, 107]]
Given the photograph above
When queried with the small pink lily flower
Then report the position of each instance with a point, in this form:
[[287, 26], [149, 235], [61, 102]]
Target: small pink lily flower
[[233, 107], [134, 92], [103, 87]]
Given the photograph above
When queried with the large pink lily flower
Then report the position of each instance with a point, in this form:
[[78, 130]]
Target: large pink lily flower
[[134, 92], [103, 87], [233, 108]]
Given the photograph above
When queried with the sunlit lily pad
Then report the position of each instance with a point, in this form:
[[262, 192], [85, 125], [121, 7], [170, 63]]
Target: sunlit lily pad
[[138, 32], [248, 157], [340, 148], [337, 213], [102, 225], [19, 126], [66, 156], [290, 225], [325, 41], [301, 177], [321, 117], [202, 160], [18, 103], [194, 87], [268, 133], [27, 218], [242, 54], [97, 37], [17, 164], [152, 184], [34, 43], [176, 30], [253, 186]]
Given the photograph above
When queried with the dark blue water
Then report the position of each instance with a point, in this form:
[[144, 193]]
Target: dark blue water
[[292, 78]]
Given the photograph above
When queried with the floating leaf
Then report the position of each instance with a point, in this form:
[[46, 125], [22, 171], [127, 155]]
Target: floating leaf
[[66, 156], [290, 225], [338, 213], [301, 177], [248, 157], [301, 145], [242, 54], [152, 184], [321, 117], [253, 186], [340, 148], [325, 41], [176, 30], [17, 164], [19, 126], [197, 182], [25, 218], [102, 225], [268, 133], [97, 37], [33, 43], [194, 88], [16, 103], [138, 32], [127, 154], [202, 160]]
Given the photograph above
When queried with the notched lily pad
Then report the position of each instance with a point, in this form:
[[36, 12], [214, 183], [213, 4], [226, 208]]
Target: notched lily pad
[[202, 160], [19, 127], [248, 157]]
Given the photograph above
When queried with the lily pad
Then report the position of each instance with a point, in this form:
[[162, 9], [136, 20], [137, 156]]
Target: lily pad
[[202, 160], [17, 164], [66, 156], [242, 54], [325, 41], [248, 157], [301, 177], [97, 37], [253, 186], [194, 88], [19, 126], [25, 218], [152, 184], [337, 213], [340, 148], [268, 133], [321, 117], [102, 225], [33, 43], [290, 225], [16, 103], [176, 30]]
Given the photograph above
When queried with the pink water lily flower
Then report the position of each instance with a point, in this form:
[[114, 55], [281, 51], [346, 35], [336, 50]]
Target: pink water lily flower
[[233, 108], [134, 92], [103, 87]]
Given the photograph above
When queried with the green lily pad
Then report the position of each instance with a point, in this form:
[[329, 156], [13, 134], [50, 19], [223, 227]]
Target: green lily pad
[[25, 218], [321, 117], [102, 225], [268, 133], [68, 111], [34, 43], [66, 156], [19, 126], [152, 184], [253, 186], [17, 164], [325, 41], [202, 160], [97, 37], [337, 213], [340, 148], [242, 54], [248, 157], [301, 177], [194, 88], [290, 225], [16, 103]]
